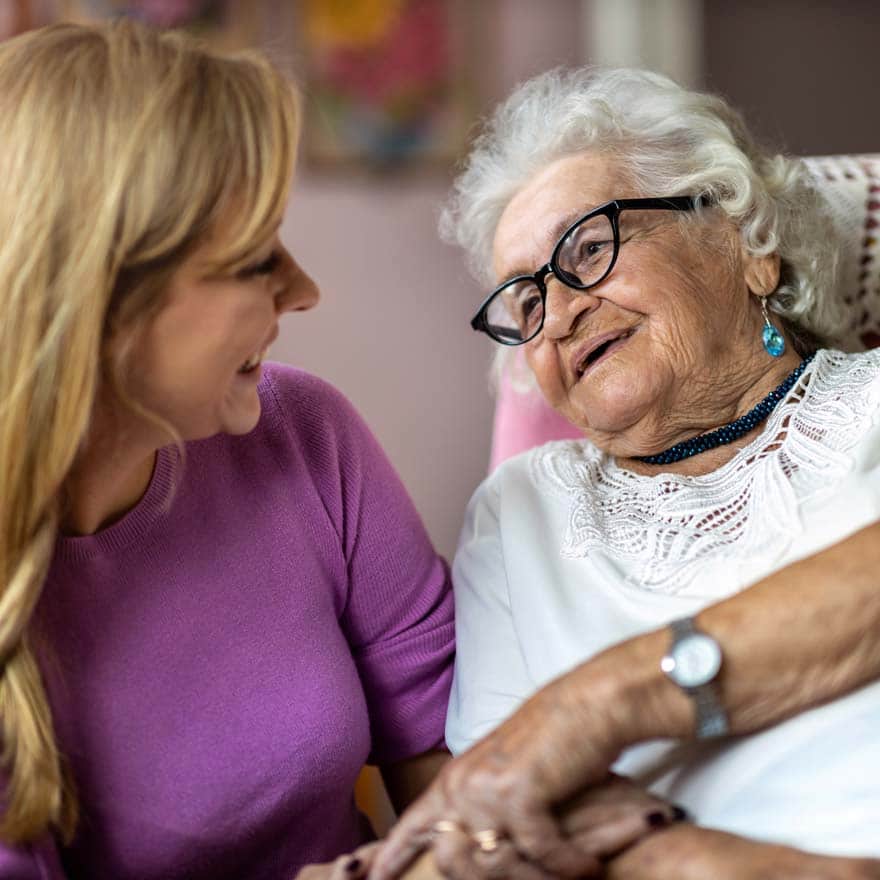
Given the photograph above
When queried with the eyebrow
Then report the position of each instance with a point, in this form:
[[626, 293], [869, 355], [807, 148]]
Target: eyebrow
[[568, 219], [560, 227]]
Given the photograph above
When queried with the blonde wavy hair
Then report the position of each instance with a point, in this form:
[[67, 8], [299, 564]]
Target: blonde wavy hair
[[121, 148]]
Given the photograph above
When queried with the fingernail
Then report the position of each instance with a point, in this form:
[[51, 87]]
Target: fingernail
[[353, 864], [679, 814], [657, 819]]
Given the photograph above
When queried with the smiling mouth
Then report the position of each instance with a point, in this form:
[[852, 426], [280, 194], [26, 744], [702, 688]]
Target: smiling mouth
[[252, 362], [601, 350]]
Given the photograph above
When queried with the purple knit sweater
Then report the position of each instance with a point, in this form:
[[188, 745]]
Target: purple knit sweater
[[226, 657]]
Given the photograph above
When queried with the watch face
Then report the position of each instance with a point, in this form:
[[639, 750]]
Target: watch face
[[696, 660]]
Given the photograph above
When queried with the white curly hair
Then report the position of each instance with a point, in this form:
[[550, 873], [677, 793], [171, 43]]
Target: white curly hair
[[670, 141]]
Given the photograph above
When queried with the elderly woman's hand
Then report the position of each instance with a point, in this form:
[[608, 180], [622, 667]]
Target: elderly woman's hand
[[600, 823], [477, 835], [686, 852], [509, 783]]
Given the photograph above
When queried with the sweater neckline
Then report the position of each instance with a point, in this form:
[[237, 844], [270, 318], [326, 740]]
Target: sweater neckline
[[153, 505]]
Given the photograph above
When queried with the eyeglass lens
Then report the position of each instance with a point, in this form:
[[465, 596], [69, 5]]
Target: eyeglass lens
[[583, 258]]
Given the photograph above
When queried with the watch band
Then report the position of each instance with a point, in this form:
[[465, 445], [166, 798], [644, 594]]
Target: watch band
[[684, 626], [711, 717]]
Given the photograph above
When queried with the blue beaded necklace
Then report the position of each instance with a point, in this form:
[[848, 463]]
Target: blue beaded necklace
[[730, 432]]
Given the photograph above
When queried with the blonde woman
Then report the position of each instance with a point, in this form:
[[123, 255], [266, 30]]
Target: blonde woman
[[204, 635]]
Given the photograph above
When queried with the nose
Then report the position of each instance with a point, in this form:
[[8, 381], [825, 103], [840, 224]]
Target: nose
[[564, 307], [296, 291]]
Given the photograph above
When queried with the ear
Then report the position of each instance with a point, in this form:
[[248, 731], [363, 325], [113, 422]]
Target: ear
[[762, 273]]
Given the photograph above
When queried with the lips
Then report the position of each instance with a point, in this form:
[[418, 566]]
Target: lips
[[587, 355], [256, 358], [252, 362]]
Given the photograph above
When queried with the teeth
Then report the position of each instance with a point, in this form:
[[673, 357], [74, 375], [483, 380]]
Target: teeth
[[252, 362], [598, 351]]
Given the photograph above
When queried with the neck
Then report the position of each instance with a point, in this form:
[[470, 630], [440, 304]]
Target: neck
[[100, 492], [110, 474], [723, 413]]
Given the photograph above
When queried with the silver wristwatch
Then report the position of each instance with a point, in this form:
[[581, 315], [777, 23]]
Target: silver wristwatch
[[693, 662]]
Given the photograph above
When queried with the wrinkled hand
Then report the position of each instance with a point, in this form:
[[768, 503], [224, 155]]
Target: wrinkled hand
[[600, 823], [597, 825], [610, 818], [351, 866], [510, 783], [686, 852]]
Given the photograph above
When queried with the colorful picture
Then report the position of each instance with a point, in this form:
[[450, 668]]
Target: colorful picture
[[225, 22], [384, 81], [16, 16]]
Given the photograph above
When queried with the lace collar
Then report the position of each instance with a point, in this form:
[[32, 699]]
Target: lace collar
[[665, 528]]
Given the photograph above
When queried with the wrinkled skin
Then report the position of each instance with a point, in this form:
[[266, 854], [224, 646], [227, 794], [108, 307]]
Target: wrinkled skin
[[572, 840], [690, 853]]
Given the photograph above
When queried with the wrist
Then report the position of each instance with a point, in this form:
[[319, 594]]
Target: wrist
[[641, 702]]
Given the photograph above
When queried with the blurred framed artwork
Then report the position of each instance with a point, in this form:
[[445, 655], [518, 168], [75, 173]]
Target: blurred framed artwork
[[386, 82], [17, 16], [230, 24]]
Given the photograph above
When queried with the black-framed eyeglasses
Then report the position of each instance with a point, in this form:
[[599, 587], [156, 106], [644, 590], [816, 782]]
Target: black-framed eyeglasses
[[585, 255]]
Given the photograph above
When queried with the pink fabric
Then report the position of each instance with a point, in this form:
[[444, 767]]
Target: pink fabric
[[524, 420], [851, 185]]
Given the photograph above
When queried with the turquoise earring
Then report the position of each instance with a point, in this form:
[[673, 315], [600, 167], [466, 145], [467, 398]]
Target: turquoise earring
[[774, 343]]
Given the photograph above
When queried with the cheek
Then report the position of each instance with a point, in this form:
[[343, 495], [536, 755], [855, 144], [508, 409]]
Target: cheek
[[209, 342], [684, 308], [177, 365], [543, 361]]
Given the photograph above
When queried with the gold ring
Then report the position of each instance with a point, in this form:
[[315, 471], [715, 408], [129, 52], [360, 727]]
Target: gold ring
[[441, 826], [486, 840]]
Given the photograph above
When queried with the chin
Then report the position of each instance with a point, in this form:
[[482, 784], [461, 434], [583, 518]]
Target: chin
[[610, 413]]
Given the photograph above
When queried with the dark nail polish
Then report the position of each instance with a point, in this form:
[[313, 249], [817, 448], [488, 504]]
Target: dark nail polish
[[657, 819], [353, 864], [679, 814]]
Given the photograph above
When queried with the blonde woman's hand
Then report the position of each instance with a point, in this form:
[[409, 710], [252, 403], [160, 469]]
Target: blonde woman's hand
[[351, 866]]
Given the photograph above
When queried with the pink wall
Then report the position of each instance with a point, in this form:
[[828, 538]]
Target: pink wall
[[392, 330]]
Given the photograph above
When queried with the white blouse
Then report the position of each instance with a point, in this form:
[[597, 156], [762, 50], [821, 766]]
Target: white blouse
[[563, 554]]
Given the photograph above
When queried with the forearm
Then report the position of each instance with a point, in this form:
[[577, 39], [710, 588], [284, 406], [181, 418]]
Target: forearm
[[801, 637], [406, 780], [686, 852]]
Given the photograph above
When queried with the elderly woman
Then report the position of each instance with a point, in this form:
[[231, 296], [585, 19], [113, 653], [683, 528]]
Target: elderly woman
[[671, 288]]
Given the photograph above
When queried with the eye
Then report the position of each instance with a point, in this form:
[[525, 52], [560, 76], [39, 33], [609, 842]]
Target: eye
[[264, 267], [525, 304], [528, 304], [591, 249]]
